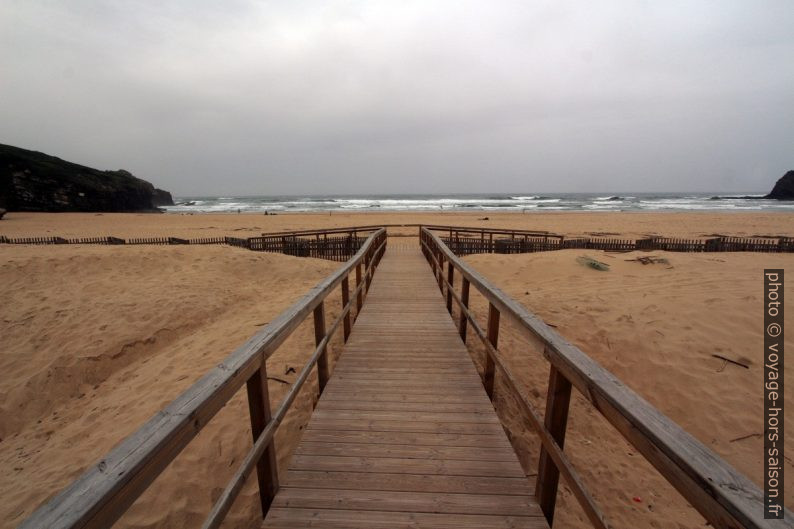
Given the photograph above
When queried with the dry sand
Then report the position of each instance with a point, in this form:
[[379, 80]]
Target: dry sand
[[626, 224], [97, 339]]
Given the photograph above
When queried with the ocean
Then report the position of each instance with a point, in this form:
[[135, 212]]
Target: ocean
[[484, 202]]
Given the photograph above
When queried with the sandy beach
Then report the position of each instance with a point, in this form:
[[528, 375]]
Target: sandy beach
[[97, 339], [623, 224]]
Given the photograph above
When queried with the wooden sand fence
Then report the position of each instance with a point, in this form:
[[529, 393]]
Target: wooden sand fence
[[722, 495], [337, 244], [467, 241]]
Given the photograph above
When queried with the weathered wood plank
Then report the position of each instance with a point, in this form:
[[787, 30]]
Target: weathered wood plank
[[407, 416], [403, 426], [343, 519], [407, 438], [485, 485], [395, 465], [407, 501], [406, 451]]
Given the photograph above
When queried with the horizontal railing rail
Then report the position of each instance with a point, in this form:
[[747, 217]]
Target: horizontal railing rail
[[722, 495], [105, 491]]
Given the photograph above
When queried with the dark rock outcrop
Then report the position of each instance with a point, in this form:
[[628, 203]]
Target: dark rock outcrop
[[162, 198], [784, 188], [34, 181]]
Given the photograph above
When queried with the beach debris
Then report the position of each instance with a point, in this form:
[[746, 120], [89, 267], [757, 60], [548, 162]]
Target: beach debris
[[650, 259], [287, 382], [289, 370], [592, 263], [748, 436], [637, 499], [726, 361], [484, 218]]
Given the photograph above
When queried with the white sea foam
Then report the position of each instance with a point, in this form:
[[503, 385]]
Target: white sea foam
[[489, 202]]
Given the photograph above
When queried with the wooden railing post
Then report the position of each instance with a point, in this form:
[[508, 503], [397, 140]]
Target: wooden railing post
[[493, 338], [450, 278], [440, 271], [319, 334], [464, 298], [259, 408], [345, 301], [557, 401], [360, 295], [368, 272]]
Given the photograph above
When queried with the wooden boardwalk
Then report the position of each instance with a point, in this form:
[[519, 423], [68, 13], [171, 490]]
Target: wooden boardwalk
[[404, 434]]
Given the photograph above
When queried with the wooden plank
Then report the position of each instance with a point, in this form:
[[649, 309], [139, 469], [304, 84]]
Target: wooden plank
[[403, 451], [407, 501], [408, 438], [485, 485], [408, 416], [344, 519], [356, 404], [403, 426], [395, 465], [402, 396]]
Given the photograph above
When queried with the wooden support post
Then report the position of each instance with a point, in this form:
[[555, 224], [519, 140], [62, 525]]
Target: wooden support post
[[259, 408], [464, 297], [359, 296], [440, 271], [450, 278], [557, 401], [319, 334], [368, 271], [345, 301], [493, 337]]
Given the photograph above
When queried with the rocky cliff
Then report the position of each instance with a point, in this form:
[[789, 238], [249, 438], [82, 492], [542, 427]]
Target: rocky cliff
[[784, 188], [34, 181]]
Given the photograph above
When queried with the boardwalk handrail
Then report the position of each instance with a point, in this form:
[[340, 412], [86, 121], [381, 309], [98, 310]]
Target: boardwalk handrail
[[105, 491], [722, 495]]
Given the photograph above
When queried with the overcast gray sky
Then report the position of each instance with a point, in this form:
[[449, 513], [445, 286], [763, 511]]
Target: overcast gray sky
[[280, 97]]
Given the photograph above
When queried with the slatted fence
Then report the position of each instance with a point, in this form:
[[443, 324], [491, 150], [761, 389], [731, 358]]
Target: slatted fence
[[339, 244], [465, 241], [332, 248]]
